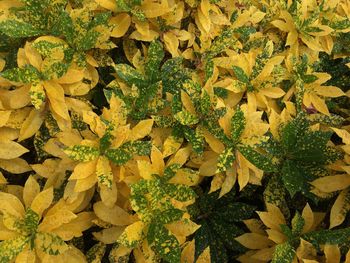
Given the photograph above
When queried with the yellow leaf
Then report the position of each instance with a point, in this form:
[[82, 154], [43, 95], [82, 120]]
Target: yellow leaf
[[187, 254], [292, 38], [171, 43], [217, 182], [2, 179], [31, 124], [142, 129], [84, 184], [42, 201], [55, 94], [273, 218], [229, 182], [108, 4], [157, 160], [329, 91], [281, 25], [340, 208], [343, 134], [109, 235], [26, 256], [121, 24], [109, 195], [115, 215], [56, 219], [15, 166], [10, 149], [181, 156], [152, 9], [308, 216], [187, 103], [30, 191], [145, 169], [332, 253], [329, 184], [83, 170], [11, 204], [319, 104], [132, 234], [276, 236], [186, 177], [254, 241], [215, 144], [171, 145], [72, 75], [306, 250], [4, 117]]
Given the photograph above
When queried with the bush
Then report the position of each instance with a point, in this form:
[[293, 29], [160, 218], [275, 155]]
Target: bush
[[174, 131]]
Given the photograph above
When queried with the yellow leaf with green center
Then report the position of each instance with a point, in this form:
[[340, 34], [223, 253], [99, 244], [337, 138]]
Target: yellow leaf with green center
[[37, 94], [104, 172]]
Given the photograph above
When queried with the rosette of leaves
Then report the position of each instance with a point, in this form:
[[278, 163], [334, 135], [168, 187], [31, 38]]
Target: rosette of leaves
[[309, 86], [259, 77], [236, 129], [303, 21], [300, 239], [300, 156], [220, 222], [44, 75], [160, 199], [36, 230], [337, 183], [145, 94], [112, 142]]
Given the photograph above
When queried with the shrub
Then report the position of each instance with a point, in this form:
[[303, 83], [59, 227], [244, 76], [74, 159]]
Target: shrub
[[174, 131]]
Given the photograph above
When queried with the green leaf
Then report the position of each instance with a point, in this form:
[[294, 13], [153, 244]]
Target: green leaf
[[28, 74], [82, 153], [328, 236], [298, 223], [240, 74], [204, 237], [9, 249], [225, 160], [18, 29], [309, 78], [284, 253], [164, 243], [293, 178], [129, 75], [261, 161], [237, 125], [155, 56]]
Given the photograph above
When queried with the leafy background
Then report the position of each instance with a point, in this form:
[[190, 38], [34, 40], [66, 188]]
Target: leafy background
[[174, 131]]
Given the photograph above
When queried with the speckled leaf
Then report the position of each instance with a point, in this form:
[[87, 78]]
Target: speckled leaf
[[284, 253], [118, 156], [82, 153], [328, 236], [50, 243], [96, 253], [261, 161], [9, 249], [240, 74], [132, 235], [164, 243], [129, 75], [293, 178], [196, 139], [225, 160], [28, 74], [154, 57], [19, 29], [37, 95], [298, 223], [169, 215], [179, 192], [186, 118], [237, 125], [104, 172]]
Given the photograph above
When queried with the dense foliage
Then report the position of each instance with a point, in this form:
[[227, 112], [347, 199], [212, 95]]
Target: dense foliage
[[174, 131]]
